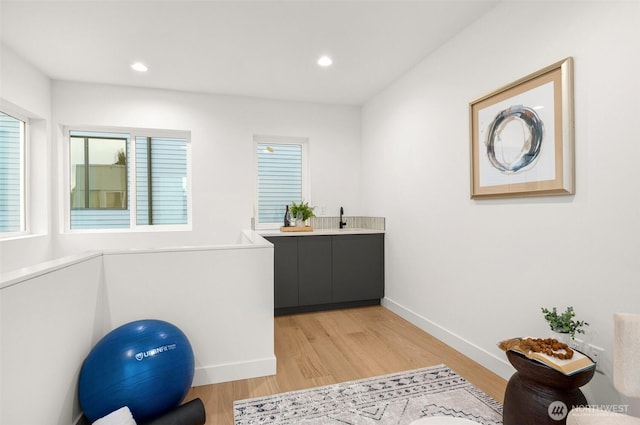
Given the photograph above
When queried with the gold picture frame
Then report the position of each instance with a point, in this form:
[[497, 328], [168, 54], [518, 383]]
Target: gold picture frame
[[522, 136]]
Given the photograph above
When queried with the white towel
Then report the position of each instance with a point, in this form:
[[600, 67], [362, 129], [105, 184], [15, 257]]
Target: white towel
[[121, 416], [626, 346]]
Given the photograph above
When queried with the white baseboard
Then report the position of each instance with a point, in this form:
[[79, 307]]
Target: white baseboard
[[497, 365], [234, 371]]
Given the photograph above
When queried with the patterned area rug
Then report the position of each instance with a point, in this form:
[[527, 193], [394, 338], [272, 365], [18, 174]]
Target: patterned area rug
[[398, 399]]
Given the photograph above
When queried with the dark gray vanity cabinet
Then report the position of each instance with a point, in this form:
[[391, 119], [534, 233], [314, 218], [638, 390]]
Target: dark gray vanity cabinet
[[358, 267], [285, 271], [314, 270], [327, 271]]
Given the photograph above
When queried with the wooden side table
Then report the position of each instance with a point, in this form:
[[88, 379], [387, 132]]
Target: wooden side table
[[539, 395]]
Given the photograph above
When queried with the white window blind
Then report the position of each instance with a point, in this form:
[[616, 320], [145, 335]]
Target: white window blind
[[280, 179], [12, 193]]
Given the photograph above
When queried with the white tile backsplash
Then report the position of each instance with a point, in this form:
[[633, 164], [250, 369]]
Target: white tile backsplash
[[353, 222]]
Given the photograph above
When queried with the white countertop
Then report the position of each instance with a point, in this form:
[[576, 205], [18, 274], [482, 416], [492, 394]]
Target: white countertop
[[319, 232]]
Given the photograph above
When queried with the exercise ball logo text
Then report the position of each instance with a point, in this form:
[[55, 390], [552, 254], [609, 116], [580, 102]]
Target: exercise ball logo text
[[558, 410], [143, 355]]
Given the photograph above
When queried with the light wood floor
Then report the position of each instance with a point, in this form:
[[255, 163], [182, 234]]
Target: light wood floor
[[323, 348]]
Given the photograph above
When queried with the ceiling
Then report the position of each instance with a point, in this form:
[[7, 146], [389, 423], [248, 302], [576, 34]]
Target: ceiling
[[265, 49]]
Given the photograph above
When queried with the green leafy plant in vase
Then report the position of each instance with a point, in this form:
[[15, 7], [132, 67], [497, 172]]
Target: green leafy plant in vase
[[564, 323], [305, 211]]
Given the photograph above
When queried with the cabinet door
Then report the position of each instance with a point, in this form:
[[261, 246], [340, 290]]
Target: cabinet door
[[285, 271], [358, 267], [314, 270]]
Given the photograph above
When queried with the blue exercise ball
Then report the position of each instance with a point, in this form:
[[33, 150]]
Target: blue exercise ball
[[146, 365]]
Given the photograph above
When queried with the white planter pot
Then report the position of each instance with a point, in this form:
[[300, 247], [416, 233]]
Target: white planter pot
[[561, 337]]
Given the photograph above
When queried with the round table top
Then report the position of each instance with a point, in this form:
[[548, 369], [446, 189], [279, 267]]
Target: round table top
[[547, 376], [443, 420]]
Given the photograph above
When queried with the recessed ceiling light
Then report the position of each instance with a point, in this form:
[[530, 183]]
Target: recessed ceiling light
[[325, 61], [140, 67]]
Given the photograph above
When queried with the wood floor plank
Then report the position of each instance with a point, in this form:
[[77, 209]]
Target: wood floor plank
[[323, 348]]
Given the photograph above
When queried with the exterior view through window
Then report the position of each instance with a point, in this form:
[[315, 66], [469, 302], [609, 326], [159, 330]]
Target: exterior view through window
[[98, 172], [107, 167]]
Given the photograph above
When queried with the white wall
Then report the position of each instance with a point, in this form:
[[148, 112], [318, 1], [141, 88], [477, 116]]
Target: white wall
[[27, 91], [49, 323], [222, 129], [475, 272], [221, 298], [52, 314]]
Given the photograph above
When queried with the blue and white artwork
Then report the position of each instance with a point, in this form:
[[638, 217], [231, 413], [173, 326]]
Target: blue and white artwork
[[518, 139]]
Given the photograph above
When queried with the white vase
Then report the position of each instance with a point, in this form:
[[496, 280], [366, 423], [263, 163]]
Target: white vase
[[561, 337]]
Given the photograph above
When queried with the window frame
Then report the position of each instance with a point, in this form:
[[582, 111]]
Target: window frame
[[305, 173], [25, 227], [132, 132], [87, 153]]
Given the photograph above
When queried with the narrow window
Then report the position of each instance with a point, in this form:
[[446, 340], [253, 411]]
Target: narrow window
[[281, 176], [12, 174], [161, 179]]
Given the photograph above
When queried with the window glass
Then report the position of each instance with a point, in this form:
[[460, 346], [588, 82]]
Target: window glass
[[98, 172], [12, 184], [280, 178], [161, 199], [101, 195]]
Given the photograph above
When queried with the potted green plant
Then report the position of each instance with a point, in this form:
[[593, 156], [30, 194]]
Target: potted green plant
[[305, 211], [564, 323]]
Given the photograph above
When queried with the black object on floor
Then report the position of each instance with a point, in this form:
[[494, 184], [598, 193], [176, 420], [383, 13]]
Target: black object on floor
[[191, 413]]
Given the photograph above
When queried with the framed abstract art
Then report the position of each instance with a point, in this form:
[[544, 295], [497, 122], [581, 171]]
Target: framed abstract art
[[522, 136]]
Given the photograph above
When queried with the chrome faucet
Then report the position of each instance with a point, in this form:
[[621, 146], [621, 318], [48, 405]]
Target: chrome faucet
[[342, 223]]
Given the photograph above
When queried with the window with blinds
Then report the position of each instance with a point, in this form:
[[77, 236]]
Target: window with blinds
[[281, 177], [125, 180], [12, 184]]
